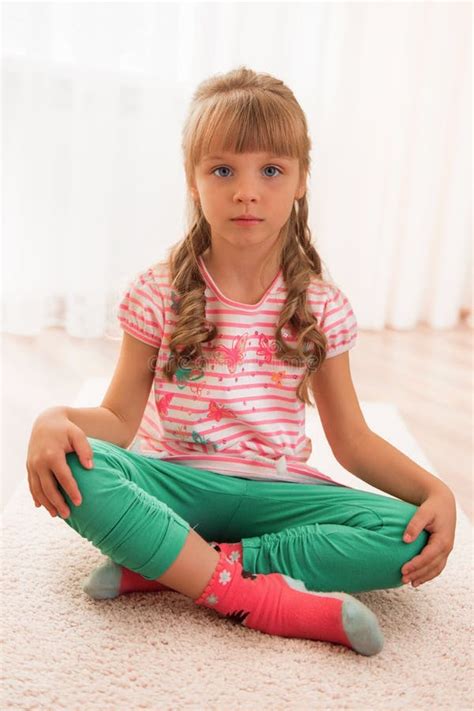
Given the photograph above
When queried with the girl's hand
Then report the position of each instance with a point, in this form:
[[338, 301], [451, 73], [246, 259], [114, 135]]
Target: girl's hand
[[52, 437], [437, 515]]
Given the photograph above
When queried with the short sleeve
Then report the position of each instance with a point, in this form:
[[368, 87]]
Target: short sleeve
[[141, 310], [338, 322]]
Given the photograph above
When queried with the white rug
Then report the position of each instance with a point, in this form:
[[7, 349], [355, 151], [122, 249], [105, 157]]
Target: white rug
[[62, 650]]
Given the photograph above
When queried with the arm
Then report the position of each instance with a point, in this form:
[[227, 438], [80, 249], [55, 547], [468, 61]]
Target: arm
[[98, 422], [118, 417], [376, 462], [354, 445]]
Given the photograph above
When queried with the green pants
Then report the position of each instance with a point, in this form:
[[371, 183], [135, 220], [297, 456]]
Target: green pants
[[138, 511]]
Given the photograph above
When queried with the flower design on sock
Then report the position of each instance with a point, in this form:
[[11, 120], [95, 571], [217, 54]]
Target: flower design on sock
[[224, 577], [212, 599], [232, 556]]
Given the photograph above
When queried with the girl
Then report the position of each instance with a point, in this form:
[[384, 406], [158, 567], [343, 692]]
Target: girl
[[222, 342]]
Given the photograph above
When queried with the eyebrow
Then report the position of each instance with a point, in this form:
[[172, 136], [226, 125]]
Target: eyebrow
[[210, 158]]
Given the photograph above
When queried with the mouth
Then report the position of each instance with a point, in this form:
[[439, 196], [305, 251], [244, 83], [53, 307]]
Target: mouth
[[247, 220]]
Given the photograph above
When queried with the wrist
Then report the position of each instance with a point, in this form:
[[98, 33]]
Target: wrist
[[437, 488], [52, 413]]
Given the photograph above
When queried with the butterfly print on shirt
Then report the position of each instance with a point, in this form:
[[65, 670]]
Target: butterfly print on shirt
[[233, 356], [201, 440], [266, 348], [163, 403], [277, 377], [188, 374], [217, 412]]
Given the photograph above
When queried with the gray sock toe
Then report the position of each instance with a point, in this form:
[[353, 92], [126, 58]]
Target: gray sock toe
[[362, 627], [104, 581]]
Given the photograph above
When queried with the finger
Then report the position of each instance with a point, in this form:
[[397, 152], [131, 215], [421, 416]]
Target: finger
[[52, 493], [412, 567], [40, 496], [424, 570], [427, 576], [430, 552], [438, 564], [64, 476], [30, 479], [81, 446]]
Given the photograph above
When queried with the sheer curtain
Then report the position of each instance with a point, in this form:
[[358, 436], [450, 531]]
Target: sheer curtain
[[94, 97]]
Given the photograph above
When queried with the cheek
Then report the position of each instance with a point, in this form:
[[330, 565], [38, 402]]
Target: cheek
[[283, 210]]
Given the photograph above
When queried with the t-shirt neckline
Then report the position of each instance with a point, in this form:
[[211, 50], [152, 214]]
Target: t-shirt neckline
[[231, 302]]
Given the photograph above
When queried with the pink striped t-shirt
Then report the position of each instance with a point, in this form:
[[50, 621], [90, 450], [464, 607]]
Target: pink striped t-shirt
[[236, 414]]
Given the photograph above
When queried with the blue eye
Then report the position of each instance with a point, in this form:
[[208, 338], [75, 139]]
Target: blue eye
[[273, 167], [220, 168]]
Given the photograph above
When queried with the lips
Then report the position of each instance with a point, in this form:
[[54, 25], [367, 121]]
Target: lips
[[247, 218]]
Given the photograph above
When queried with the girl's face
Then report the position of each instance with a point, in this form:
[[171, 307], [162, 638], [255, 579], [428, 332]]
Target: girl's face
[[259, 184]]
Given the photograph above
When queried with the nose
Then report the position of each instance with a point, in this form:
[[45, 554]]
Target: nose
[[245, 195], [246, 191]]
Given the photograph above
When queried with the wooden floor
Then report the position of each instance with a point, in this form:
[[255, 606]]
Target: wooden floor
[[426, 373]]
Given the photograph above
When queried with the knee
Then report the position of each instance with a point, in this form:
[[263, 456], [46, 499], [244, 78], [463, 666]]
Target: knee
[[407, 512], [90, 482], [104, 459], [78, 471], [410, 550], [96, 486], [404, 552], [85, 478]]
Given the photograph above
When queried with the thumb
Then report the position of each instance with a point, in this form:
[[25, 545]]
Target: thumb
[[415, 526]]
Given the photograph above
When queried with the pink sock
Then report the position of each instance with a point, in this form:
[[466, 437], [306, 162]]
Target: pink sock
[[279, 605], [232, 550], [110, 579], [134, 582]]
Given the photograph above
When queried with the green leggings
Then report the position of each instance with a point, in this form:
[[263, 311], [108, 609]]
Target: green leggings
[[138, 510]]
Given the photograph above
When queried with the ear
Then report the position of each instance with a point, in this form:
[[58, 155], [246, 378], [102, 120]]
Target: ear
[[300, 193], [301, 190]]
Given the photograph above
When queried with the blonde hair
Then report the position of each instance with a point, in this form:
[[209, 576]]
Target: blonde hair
[[250, 112]]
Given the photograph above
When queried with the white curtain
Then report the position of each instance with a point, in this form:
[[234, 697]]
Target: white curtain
[[94, 97]]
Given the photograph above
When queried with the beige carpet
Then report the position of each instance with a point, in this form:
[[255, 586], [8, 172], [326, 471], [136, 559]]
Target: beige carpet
[[62, 650]]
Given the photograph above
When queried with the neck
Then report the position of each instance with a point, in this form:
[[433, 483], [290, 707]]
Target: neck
[[250, 269]]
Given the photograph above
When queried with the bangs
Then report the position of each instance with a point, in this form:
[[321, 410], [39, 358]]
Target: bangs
[[243, 123]]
